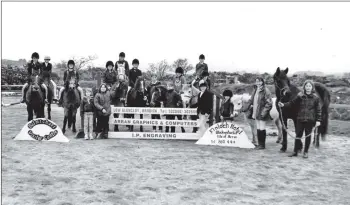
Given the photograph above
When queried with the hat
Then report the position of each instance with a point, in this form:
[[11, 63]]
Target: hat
[[47, 58], [202, 57], [227, 93], [109, 63], [35, 55], [135, 61], [70, 62], [179, 70], [205, 73], [122, 54]]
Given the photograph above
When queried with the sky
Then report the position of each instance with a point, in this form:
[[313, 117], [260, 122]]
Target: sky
[[234, 36]]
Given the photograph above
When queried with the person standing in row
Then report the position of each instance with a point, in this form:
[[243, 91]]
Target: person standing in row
[[154, 96], [309, 114], [87, 111], [259, 107], [47, 71], [122, 66], [102, 102]]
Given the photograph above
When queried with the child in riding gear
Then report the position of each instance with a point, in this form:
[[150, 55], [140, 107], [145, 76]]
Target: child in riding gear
[[134, 73], [227, 107], [102, 102], [201, 66], [259, 107], [87, 110], [47, 70], [154, 96], [309, 114], [109, 76], [69, 74], [172, 100], [34, 71], [179, 80], [122, 66]]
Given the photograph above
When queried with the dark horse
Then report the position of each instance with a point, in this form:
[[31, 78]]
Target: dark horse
[[285, 91], [35, 100], [71, 103], [137, 97], [46, 80], [118, 94]]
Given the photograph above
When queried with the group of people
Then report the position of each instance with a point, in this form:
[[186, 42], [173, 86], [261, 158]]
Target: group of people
[[98, 105]]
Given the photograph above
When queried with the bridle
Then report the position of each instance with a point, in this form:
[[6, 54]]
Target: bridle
[[281, 89]]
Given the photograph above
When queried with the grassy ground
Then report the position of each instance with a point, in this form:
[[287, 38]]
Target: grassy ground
[[167, 172]]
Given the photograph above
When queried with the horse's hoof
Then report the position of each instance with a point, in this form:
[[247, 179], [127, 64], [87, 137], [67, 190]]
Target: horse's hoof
[[282, 150], [74, 130], [63, 131]]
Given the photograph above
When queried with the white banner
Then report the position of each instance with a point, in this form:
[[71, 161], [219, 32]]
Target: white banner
[[153, 135], [154, 122], [150, 110]]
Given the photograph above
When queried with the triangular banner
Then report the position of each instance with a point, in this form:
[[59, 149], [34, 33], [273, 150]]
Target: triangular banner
[[41, 129], [225, 134]]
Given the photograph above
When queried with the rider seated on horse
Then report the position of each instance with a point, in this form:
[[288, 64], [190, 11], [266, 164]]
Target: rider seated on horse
[[47, 70], [179, 80], [34, 71], [69, 74], [134, 74], [109, 76], [122, 66], [204, 77]]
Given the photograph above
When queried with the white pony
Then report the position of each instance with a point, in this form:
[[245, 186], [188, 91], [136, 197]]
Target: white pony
[[240, 101]]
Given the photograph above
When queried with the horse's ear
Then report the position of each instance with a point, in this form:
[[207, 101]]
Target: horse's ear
[[278, 71], [286, 70]]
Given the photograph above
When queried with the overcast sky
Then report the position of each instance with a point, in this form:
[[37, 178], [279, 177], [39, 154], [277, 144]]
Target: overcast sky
[[235, 36]]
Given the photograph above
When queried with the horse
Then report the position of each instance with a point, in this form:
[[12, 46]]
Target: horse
[[157, 95], [47, 82], [285, 91], [118, 94], [190, 98], [71, 103], [137, 97], [35, 99], [241, 101]]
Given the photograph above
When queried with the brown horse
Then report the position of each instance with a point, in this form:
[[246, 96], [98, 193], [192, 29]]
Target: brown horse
[[118, 94], [46, 80], [35, 100], [71, 103]]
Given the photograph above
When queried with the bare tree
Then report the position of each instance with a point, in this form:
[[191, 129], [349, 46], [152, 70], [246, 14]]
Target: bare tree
[[81, 62], [160, 69], [183, 63]]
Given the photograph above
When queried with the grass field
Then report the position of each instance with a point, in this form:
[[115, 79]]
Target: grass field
[[167, 172]]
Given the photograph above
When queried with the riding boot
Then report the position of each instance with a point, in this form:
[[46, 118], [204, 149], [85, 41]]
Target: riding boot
[[262, 139], [24, 95], [259, 139]]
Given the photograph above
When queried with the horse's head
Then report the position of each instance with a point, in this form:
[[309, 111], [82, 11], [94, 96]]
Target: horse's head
[[140, 84], [239, 101], [282, 83], [71, 85], [35, 87]]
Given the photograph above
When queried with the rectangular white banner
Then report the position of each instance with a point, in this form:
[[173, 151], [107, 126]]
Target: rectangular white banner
[[153, 135], [150, 110], [153, 122]]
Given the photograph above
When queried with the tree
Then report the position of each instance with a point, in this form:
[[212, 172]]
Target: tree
[[160, 69], [81, 62], [183, 63]]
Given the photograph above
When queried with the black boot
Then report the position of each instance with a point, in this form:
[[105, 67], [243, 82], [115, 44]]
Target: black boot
[[263, 139], [259, 139]]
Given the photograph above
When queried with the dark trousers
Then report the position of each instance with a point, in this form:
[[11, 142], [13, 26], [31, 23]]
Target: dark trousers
[[102, 123], [301, 127], [170, 117], [156, 117], [194, 117]]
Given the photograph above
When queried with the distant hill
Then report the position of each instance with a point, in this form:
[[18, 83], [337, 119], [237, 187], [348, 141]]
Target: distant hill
[[18, 63], [310, 73]]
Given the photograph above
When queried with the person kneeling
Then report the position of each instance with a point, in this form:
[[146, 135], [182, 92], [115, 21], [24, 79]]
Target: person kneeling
[[102, 102], [227, 107]]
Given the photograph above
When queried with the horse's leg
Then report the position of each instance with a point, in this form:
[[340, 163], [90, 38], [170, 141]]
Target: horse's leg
[[49, 111], [284, 136], [74, 117], [131, 126], [116, 115], [65, 120], [279, 127], [141, 127], [30, 112]]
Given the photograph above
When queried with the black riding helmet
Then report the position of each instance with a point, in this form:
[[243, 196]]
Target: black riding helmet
[[109, 63], [135, 61], [122, 54], [35, 55], [70, 62], [227, 93], [179, 70], [202, 57]]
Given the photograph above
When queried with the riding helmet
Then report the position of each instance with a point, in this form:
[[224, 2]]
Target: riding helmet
[[179, 70], [202, 57], [35, 55], [227, 93], [109, 63], [70, 62], [47, 58], [122, 54], [135, 61]]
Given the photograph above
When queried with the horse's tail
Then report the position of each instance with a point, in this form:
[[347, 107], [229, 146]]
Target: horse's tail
[[70, 117], [323, 129]]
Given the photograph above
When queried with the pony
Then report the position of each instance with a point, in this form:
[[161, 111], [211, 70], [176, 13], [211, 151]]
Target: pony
[[241, 101], [118, 94], [71, 103], [47, 82], [190, 99], [137, 97], [35, 99], [157, 94], [285, 91]]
